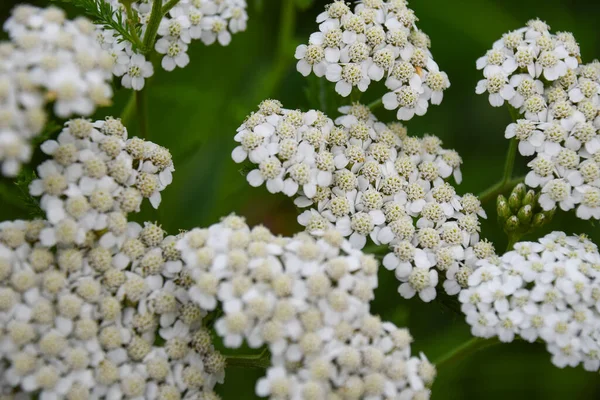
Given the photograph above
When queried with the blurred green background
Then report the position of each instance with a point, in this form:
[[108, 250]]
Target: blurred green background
[[195, 111]]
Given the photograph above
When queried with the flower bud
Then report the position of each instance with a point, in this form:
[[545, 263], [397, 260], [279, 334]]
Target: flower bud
[[550, 214], [503, 209], [514, 202], [539, 220], [525, 215], [529, 198], [511, 224], [519, 191]]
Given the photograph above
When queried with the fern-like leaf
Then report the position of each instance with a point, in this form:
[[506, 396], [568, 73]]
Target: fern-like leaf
[[103, 14]]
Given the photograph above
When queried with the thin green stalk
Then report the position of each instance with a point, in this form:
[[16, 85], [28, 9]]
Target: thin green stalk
[[132, 22], [355, 95], [140, 101], [287, 27], [259, 361], [509, 164], [512, 239], [493, 191], [463, 351], [506, 182], [129, 109], [376, 104], [153, 23], [167, 7]]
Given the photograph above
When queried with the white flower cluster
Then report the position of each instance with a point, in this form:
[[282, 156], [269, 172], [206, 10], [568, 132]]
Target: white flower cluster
[[369, 179], [95, 178], [92, 322], [207, 20], [540, 75], [547, 290], [378, 40], [306, 298], [48, 60]]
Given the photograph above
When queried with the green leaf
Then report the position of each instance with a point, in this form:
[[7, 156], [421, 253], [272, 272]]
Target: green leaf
[[102, 13]]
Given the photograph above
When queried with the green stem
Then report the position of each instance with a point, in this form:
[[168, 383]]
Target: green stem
[[128, 111], [512, 239], [355, 95], [376, 104], [153, 23], [140, 102], [509, 164], [287, 26], [375, 249], [131, 23], [167, 7], [463, 351], [260, 361], [493, 191]]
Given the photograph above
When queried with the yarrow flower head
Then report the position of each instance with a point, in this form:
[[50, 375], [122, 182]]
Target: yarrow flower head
[[306, 298], [81, 323], [206, 20], [377, 40], [369, 180], [49, 62], [545, 290], [559, 121], [96, 176]]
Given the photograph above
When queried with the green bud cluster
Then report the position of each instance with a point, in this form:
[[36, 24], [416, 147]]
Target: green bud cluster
[[521, 212]]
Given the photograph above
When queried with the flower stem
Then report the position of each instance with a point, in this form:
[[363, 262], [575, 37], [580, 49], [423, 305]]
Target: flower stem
[[129, 108], [512, 239], [167, 7], [140, 102], [509, 164], [260, 361], [375, 104], [464, 350], [131, 23], [156, 14], [493, 191]]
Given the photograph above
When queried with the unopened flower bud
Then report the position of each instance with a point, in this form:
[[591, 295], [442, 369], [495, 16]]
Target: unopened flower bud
[[539, 220], [503, 209], [511, 224], [519, 190], [525, 215], [529, 198], [514, 202]]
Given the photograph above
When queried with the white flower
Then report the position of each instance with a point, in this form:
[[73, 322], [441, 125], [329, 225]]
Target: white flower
[[408, 100], [311, 59], [215, 29], [135, 71], [497, 85], [422, 281], [347, 76], [276, 383], [175, 53], [555, 63], [557, 191]]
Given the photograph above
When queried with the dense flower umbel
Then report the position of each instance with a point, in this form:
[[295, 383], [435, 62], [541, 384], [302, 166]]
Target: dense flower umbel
[[369, 179], [546, 290], [207, 20], [97, 175], [48, 60], [378, 40], [540, 74], [306, 298], [91, 321]]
